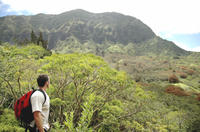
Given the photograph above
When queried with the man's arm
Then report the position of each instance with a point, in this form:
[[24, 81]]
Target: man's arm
[[38, 120]]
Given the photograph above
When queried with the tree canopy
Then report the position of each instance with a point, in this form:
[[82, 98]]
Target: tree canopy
[[87, 95]]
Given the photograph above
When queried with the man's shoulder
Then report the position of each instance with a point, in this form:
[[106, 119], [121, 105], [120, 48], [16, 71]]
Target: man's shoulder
[[40, 95], [37, 93]]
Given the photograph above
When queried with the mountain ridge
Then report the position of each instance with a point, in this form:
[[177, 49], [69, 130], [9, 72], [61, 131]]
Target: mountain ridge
[[84, 26]]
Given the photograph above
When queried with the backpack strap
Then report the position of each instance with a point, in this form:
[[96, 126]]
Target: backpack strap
[[45, 97]]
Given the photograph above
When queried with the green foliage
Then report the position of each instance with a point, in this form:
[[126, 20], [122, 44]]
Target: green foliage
[[110, 114], [75, 76], [138, 127], [8, 122], [85, 119], [87, 95], [57, 102], [18, 69], [34, 51], [86, 115], [187, 88], [115, 49], [69, 122], [57, 127]]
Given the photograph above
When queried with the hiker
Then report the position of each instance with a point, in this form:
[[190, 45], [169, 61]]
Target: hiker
[[40, 106]]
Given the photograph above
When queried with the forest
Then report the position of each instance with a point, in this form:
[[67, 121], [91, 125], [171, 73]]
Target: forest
[[88, 95]]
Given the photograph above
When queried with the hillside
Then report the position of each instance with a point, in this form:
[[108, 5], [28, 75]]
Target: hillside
[[99, 32], [88, 95]]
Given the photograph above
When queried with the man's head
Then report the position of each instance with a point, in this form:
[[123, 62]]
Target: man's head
[[43, 81]]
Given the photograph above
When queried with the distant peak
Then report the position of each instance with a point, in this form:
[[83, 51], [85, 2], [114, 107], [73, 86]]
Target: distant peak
[[77, 11]]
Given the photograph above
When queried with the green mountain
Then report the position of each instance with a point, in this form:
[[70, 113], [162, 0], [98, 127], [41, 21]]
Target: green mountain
[[86, 93], [79, 30]]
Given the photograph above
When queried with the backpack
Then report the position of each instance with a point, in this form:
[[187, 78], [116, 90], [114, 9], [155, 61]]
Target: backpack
[[23, 108]]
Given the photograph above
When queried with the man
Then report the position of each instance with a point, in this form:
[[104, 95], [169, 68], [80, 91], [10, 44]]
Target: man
[[40, 106]]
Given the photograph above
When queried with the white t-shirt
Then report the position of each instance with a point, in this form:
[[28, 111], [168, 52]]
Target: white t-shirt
[[37, 100]]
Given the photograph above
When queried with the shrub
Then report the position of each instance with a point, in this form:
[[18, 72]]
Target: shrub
[[137, 78], [85, 119], [187, 70], [165, 62], [173, 79], [8, 123], [176, 57], [190, 72], [125, 64], [176, 91], [183, 75], [198, 97], [163, 78]]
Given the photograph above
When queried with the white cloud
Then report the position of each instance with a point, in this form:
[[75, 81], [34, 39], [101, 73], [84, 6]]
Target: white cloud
[[196, 49], [182, 45], [186, 47], [170, 16]]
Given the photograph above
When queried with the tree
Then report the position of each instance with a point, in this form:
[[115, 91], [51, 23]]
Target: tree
[[40, 39], [173, 79], [18, 71], [76, 76], [33, 37], [42, 42], [45, 44]]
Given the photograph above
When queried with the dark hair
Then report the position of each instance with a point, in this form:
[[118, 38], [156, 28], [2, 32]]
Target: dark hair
[[42, 79]]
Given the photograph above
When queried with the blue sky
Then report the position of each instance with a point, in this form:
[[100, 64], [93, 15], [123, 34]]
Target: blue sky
[[189, 42], [175, 20], [5, 10], [193, 39]]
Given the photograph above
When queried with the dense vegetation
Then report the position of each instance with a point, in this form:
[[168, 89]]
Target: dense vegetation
[[87, 95]]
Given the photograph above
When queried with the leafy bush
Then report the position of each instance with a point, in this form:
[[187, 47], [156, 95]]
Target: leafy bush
[[173, 79], [187, 70], [176, 91], [115, 49], [85, 119], [8, 123], [190, 72], [183, 75]]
